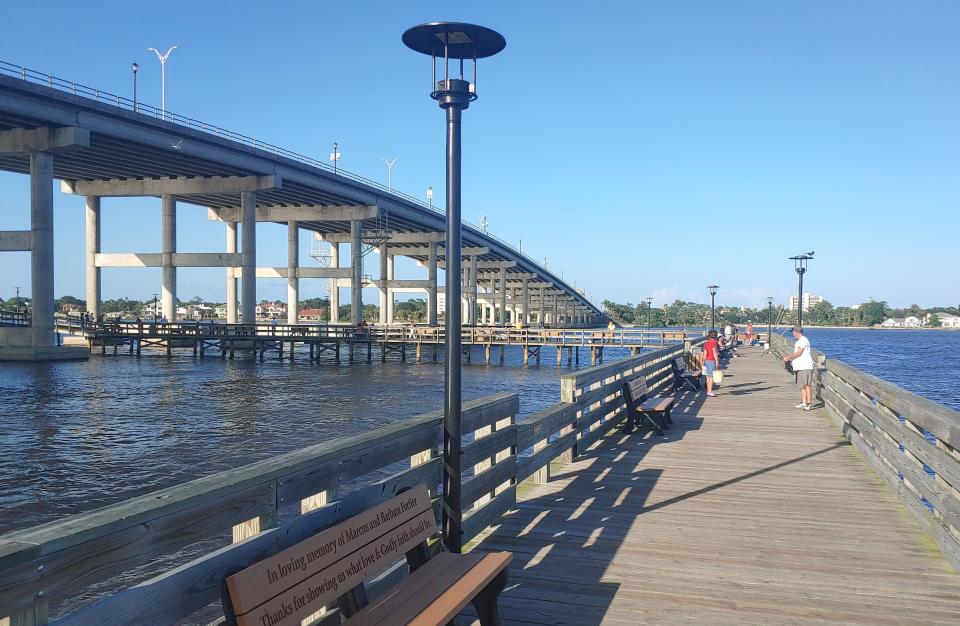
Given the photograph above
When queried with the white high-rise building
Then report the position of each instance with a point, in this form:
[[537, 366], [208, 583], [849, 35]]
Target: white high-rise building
[[809, 300]]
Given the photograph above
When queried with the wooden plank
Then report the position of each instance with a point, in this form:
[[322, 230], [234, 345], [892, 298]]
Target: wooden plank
[[288, 568], [290, 606], [480, 519], [544, 424], [456, 596], [183, 590], [488, 410], [486, 481], [940, 420], [489, 445], [526, 466]]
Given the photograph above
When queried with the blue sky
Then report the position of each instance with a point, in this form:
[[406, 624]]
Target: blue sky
[[643, 148]]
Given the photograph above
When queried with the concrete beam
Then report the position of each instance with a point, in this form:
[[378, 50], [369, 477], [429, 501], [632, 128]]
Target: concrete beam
[[394, 238], [26, 140], [394, 284], [312, 213], [441, 251], [180, 259], [342, 273], [487, 265], [181, 186], [16, 241]]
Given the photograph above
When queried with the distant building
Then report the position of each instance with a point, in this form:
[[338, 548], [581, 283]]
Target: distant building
[[902, 322], [809, 300], [946, 320], [313, 315], [221, 312]]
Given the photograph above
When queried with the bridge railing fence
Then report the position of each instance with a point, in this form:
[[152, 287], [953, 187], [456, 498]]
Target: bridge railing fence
[[913, 443], [14, 318]]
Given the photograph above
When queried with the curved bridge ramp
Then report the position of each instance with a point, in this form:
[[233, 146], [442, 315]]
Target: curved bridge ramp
[[749, 512]]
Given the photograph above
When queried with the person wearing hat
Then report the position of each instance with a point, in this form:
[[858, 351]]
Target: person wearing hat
[[802, 362]]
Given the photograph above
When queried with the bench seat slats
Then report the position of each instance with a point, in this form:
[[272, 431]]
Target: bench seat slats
[[417, 591], [456, 596], [656, 404]]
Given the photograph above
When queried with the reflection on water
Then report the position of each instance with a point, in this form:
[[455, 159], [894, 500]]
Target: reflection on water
[[78, 436]]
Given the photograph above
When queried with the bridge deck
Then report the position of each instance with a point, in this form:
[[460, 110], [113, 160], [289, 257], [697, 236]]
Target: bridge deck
[[750, 511]]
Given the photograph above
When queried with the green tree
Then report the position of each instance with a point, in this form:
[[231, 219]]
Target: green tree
[[934, 321]]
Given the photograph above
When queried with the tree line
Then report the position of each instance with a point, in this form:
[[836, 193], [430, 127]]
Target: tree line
[[682, 313]]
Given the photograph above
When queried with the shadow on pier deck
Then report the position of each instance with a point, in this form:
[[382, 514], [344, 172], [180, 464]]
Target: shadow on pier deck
[[751, 511]]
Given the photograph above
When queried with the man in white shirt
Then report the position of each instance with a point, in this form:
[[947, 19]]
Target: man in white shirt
[[803, 366]]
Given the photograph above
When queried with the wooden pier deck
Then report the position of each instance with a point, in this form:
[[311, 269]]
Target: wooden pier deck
[[750, 511]]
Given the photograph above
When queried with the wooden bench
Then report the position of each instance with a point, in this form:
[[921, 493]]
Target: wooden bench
[[683, 377], [331, 567], [641, 407]]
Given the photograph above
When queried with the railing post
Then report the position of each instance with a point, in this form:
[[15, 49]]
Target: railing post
[[568, 393]]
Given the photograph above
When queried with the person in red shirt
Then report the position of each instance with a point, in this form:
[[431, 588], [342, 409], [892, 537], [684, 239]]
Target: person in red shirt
[[711, 360]]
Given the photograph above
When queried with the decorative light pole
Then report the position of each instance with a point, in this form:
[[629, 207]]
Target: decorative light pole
[[770, 320], [649, 304], [335, 156], [155, 302], [163, 78], [430, 197], [389, 171], [457, 42], [713, 294], [134, 66], [800, 264], [18, 300]]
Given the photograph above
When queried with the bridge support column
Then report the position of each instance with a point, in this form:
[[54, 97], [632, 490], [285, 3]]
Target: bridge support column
[[390, 260], [383, 284], [432, 289], [503, 296], [473, 290], [334, 316], [356, 265], [525, 296], [231, 274], [41, 254], [293, 280], [541, 317], [248, 259], [168, 230], [93, 247]]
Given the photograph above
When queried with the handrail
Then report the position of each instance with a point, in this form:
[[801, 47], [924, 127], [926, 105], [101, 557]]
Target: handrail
[[161, 115], [15, 318], [913, 443]]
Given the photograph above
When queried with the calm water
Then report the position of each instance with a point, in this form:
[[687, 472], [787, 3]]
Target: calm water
[[926, 362], [77, 436]]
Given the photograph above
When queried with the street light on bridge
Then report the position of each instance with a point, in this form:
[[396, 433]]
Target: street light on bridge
[[163, 77], [713, 294], [458, 42], [430, 197], [134, 66], [389, 171]]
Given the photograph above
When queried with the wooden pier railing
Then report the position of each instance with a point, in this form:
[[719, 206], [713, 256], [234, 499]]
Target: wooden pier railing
[[913, 443], [237, 517]]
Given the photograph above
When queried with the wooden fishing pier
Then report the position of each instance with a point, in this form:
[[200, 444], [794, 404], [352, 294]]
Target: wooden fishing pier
[[338, 341], [747, 511]]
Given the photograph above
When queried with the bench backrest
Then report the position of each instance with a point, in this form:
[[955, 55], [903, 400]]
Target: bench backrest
[[635, 391], [283, 589]]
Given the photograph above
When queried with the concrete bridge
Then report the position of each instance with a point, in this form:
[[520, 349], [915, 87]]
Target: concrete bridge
[[103, 146]]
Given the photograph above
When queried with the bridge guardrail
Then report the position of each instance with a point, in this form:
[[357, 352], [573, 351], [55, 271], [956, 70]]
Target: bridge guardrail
[[913, 443]]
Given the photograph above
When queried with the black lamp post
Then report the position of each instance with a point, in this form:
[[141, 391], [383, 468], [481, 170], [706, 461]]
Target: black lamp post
[[649, 302], [800, 264], [713, 293], [770, 320], [134, 67], [456, 42]]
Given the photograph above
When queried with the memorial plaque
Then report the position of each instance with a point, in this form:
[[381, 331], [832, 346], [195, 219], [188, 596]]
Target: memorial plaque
[[298, 581]]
